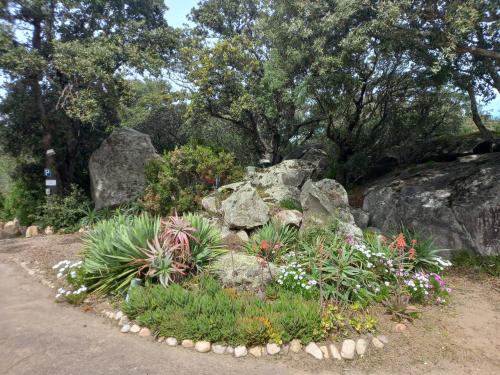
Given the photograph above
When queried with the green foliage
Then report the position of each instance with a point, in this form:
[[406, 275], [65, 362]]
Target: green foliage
[[208, 243], [271, 241], [290, 204], [21, 202], [64, 212], [483, 264], [112, 249], [182, 177], [208, 312]]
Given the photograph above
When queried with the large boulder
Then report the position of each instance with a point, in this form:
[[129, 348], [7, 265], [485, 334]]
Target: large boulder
[[10, 229], [456, 203], [242, 271], [117, 167], [326, 201], [245, 209]]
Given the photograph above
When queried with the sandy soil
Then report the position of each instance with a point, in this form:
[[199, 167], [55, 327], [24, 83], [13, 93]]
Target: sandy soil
[[42, 337]]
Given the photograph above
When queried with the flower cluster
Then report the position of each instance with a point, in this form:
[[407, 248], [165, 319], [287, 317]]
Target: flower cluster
[[71, 271], [427, 287], [292, 276]]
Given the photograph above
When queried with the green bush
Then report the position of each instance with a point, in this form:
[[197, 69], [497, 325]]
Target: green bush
[[21, 202], [290, 204], [483, 264], [64, 211], [272, 241], [208, 312], [181, 178]]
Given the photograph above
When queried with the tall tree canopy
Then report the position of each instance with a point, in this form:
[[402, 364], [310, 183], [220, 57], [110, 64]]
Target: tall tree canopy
[[67, 63]]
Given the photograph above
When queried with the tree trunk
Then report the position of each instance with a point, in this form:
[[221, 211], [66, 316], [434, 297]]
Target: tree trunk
[[475, 114]]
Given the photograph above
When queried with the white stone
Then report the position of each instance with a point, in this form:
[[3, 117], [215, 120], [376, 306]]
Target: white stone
[[161, 339], [242, 235], [314, 350], [240, 351], [324, 349], [295, 346], [377, 343], [125, 328], [289, 217], [118, 315], [202, 346], [135, 328], [145, 332], [31, 231], [171, 341], [272, 349], [187, 343], [383, 339], [256, 351], [229, 350], [348, 349], [335, 352], [123, 320], [361, 346], [218, 349]]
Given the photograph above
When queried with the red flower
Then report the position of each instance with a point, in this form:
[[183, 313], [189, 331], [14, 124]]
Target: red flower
[[413, 243], [412, 254], [264, 245], [400, 242]]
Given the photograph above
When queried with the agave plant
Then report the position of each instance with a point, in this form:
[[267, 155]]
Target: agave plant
[[271, 241], [180, 233]]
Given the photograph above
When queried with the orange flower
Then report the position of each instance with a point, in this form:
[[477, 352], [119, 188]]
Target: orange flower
[[400, 242], [412, 254], [413, 243], [264, 245]]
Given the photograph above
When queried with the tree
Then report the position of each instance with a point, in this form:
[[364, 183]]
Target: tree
[[66, 62]]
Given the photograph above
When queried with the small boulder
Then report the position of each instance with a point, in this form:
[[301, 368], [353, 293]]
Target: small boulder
[[210, 204], [348, 349], [256, 351], [289, 217], [240, 351], [171, 341], [377, 343], [361, 218], [219, 349], [135, 328], [383, 339], [202, 346], [361, 346], [230, 350], [245, 209], [295, 346], [324, 349], [48, 231], [273, 349], [314, 350], [125, 328], [242, 235], [335, 352], [187, 344], [242, 271], [31, 231], [11, 228], [145, 332]]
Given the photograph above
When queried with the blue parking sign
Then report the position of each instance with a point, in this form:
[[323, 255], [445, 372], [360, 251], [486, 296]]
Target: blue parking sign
[[47, 172]]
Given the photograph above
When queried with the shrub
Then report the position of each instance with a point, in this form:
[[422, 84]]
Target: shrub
[[21, 202], [182, 177], [64, 212], [208, 312], [484, 264], [271, 241], [291, 204], [126, 247]]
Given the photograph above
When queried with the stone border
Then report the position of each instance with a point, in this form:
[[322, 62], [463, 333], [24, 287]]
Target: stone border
[[348, 350]]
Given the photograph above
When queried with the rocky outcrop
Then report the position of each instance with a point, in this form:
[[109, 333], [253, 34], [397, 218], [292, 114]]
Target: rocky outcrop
[[456, 203], [117, 167], [244, 209], [325, 201], [242, 271]]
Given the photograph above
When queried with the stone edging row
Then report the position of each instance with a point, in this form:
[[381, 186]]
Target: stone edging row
[[349, 348]]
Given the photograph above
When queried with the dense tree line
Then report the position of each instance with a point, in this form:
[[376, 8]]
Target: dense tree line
[[257, 77]]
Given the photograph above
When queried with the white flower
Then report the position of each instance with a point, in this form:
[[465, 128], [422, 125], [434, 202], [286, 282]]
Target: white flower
[[387, 283], [358, 286], [59, 275], [58, 295]]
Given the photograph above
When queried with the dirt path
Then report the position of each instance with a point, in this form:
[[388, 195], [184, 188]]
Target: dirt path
[[38, 336]]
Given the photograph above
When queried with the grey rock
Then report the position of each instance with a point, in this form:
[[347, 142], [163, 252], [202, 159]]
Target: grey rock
[[313, 349], [348, 349], [383, 339], [242, 235], [361, 218], [11, 229], [116, 168], [457, 203], [244, 209], [289, 217], [377, 343], [240, 270], [326, 201], [210, 204]]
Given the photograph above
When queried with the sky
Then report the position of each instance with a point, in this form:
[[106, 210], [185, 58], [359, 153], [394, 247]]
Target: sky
[[176, 17]]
